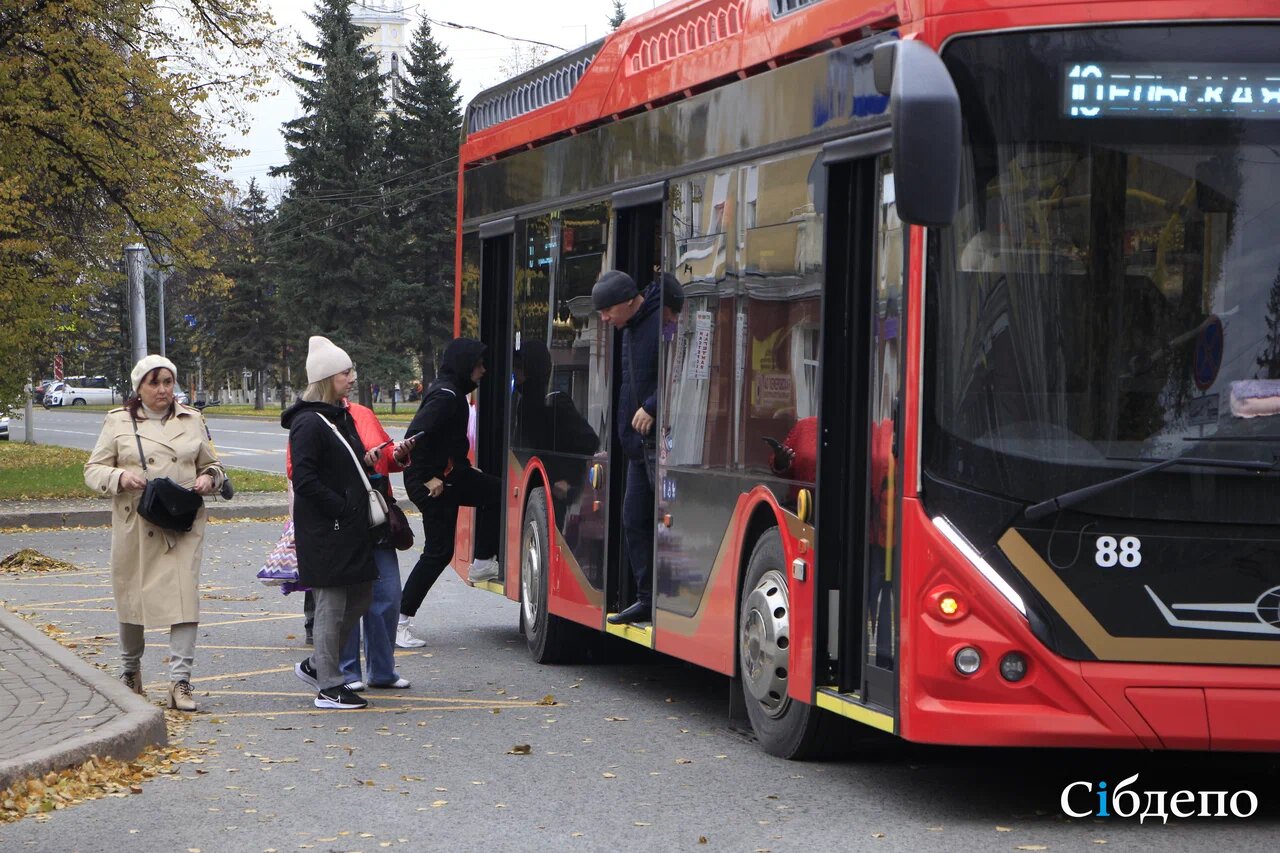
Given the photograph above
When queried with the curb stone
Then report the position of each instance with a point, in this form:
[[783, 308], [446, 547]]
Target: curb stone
[[137, 723], [102, 517]]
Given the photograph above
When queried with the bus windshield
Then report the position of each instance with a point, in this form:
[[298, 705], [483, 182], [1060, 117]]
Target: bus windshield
[[1109, 293]]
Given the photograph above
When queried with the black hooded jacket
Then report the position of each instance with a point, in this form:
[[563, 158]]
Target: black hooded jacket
[[640, 372], [331, 505], [442, 418]]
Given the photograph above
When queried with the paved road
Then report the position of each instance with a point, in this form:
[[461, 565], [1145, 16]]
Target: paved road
[[242, 442], [634, 755]]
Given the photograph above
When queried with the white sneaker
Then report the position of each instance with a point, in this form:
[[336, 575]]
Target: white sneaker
[[406, 640], [483, 570], [354, 686], [401, 683]]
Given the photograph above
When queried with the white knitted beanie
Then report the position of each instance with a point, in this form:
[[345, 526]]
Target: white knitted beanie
[[325, 359], [147, 364]]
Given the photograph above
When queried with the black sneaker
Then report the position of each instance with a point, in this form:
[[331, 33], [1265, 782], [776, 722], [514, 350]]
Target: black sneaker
[[340, 698], [306, 672]]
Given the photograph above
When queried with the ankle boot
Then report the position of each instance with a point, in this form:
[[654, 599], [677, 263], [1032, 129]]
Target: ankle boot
[[133, 680], [180, 696]]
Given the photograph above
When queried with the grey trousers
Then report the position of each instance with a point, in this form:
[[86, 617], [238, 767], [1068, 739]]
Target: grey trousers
[[182, 648], [338, 612]]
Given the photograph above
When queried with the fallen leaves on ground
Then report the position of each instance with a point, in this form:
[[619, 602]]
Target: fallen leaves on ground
[[91, 780], [29, 561], [520, 749], [547, 700]]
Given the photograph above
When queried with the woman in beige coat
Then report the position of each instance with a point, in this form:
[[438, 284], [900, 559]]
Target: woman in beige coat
[[155, 573]]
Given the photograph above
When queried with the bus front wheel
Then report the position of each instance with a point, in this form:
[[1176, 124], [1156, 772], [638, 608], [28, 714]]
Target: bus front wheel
[[784, 727], [548, 636]]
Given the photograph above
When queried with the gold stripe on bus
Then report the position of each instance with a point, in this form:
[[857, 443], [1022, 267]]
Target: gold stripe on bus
[[1108, 647], [847, 706]]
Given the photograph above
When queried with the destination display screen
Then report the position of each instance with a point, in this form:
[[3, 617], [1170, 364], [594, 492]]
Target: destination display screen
[[1170, 90]]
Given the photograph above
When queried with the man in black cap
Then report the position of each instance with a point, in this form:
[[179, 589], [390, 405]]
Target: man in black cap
[[621, 304]]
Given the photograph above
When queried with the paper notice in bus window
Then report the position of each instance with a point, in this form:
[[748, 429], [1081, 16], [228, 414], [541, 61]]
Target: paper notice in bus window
[[700, 358]]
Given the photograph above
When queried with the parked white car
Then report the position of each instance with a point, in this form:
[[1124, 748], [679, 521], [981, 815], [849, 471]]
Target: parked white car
[[81, 391], [4, 426]]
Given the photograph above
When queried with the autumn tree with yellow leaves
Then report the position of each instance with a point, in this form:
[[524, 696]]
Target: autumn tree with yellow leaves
[[107, 137]]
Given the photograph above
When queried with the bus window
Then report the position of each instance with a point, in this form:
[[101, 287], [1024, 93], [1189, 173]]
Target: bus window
[[469, 318], [780, 256], [698, 417]]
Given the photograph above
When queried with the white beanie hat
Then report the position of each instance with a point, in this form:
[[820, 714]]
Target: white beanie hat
[[325, 359], [148, 364]]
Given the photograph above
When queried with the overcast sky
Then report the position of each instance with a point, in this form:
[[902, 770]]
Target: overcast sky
[[476, 57]]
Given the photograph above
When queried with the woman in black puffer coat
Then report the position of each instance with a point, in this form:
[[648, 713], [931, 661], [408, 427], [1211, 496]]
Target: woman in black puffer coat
[[330, 517]]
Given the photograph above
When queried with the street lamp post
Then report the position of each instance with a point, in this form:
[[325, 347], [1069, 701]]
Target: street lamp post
[[133, 259]]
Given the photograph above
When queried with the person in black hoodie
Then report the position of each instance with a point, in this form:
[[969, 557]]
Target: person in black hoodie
[[440, 478], [330, 517], [620, 304]]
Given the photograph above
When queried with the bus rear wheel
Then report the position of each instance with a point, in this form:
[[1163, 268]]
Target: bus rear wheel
[[784, 727], [549, 637]]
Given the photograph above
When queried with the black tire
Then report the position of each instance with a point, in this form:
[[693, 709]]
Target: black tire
[[550, 638], [785, 728], [79, 401]]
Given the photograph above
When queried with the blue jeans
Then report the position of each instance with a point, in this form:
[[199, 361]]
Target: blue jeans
[[378, 626]]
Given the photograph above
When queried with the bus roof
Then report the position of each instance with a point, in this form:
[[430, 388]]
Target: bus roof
[[688, 46], [635, 67]]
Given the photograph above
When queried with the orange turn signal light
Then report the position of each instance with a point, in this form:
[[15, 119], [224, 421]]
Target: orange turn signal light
[[945, 603]]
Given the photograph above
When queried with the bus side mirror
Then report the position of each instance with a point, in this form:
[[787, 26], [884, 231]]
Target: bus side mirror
[[925, 109]]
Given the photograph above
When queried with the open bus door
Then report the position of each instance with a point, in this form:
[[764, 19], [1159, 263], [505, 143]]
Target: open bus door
[[861, 367], [638, 252], [497, 270]]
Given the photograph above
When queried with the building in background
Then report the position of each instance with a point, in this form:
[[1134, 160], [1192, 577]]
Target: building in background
[[388, 35]]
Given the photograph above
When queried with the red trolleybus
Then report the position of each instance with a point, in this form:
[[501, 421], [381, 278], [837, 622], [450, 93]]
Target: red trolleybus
[[968, 427]]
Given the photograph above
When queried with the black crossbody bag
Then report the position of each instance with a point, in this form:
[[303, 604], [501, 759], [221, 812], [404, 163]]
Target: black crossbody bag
[[164, 503]]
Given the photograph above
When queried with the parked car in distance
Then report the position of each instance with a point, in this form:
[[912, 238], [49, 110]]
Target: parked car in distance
[[4, 426], [37, 394], [81, 391]]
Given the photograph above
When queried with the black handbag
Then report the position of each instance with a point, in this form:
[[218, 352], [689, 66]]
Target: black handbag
[[164, 503], [401, 533]]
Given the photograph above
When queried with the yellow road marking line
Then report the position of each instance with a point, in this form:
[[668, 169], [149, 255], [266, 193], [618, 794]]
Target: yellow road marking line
[[26, 584], [43, 604], [372, 709], [203, 611], [500, 703], [105, 634]]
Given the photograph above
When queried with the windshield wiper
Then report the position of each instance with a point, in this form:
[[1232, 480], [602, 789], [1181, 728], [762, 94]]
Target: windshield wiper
[[1067, 499]]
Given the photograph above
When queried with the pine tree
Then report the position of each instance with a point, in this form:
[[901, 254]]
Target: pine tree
[[332, 216], [423, 156], [249, 327], [619, 14]]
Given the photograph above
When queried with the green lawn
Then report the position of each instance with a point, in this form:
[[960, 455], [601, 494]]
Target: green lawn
[[44, 471], [404, 412]]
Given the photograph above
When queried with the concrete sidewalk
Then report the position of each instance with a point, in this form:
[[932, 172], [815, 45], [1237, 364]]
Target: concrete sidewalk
[[56, 710], [96, 512]]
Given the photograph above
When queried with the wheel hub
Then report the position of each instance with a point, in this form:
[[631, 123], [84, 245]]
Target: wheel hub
[[530, 574], [765, 642]]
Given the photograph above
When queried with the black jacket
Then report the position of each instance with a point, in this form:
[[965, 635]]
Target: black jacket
[[330, 504], [640, 372], [442, 418]]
